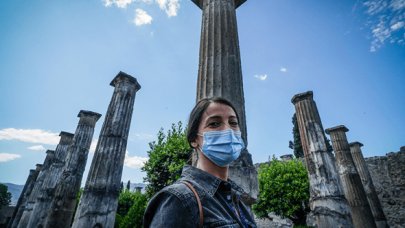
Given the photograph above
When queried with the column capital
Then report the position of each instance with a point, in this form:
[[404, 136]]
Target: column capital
[[200, 3], [65, 134], [356, 143], [38, 167], [121, 76], [50, 152], [85, 113], [337, 128], [65, 138], [88, 117], [309, 95]]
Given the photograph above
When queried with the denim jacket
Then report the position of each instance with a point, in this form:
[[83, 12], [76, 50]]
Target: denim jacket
[[176, 205]]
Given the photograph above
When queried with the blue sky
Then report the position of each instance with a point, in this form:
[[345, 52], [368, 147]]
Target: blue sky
[[58, 57]]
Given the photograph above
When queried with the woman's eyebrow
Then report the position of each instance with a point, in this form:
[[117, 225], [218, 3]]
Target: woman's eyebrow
[[214, 117], [219, 117]]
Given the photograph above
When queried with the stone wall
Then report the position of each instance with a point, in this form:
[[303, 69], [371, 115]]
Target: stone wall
[[388, 174]]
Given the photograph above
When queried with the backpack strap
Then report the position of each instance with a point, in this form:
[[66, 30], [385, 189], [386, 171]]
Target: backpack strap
[[200, 209]]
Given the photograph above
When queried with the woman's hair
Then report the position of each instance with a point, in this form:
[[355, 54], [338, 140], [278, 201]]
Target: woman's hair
[[197, 112]]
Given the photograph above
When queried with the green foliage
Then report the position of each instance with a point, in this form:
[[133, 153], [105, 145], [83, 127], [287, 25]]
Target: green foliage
[[129, 185], [296, 145], [284, 190], [5, 195], [328, 146], [131, 207], [167, 156]]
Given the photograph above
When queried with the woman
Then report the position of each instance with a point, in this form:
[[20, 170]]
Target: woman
[[204, 196]]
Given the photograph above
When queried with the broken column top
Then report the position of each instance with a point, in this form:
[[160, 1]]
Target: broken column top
[[356, 143], [302, 96], [121, 76], [337, 128], [65, 137], [200, 3], [83, 113], [88, 118], [65, 134]]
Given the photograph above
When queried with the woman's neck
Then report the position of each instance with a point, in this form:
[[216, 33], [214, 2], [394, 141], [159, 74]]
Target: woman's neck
[[208, 166]]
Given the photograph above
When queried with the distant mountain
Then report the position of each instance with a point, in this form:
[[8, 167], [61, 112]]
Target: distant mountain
[[15, 191]]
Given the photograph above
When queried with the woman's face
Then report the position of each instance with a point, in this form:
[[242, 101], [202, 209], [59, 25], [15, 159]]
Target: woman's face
[[217, 117]]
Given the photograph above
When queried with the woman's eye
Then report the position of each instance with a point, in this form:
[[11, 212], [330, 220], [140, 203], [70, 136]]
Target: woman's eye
[[214, 124], [233, 123]]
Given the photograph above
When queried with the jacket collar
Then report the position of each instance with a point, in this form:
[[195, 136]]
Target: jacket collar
[[207, 181]]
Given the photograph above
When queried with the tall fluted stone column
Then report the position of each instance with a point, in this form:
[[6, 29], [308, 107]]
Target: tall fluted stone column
[[328, 206], [220, 75], [45, 197], [22, 200], [64, 201], [350, 179], [99, 201], [43, 174], [374, 202]]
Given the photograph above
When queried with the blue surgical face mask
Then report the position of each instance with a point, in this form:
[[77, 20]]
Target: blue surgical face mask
[[222, 147]]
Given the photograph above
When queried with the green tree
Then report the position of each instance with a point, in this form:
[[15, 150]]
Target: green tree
[[131, 207], [5, 195], [129, 185], [284, 190], [167, 156], [296, 145]]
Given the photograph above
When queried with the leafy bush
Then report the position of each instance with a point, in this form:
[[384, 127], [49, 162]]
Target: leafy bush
[[284, 190], [167, 157], [131, 207]]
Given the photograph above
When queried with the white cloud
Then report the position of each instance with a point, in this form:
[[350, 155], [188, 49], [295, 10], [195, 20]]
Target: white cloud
[[142, 17], [93, 145], [386, 20], [171, 7], [134, 162], [397, 25], [30, 135], [118, 3], [145, 1], [5, 157], [397, 4], [261, 77], [36, 148], [283, 69]]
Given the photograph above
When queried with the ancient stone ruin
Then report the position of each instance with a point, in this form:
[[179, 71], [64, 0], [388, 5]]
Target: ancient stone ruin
[[220, 74], [388, 175], [342, 193], [49, 195], [62, 207], [22, 200], [43, 174], [47, 191], [374, 202], [99, 201], [350, 179], [328, 206]]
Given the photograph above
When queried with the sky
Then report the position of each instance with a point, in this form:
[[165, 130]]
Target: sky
[[58, 57]]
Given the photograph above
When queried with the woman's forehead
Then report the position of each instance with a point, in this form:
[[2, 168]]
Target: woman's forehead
[[218, 109]]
